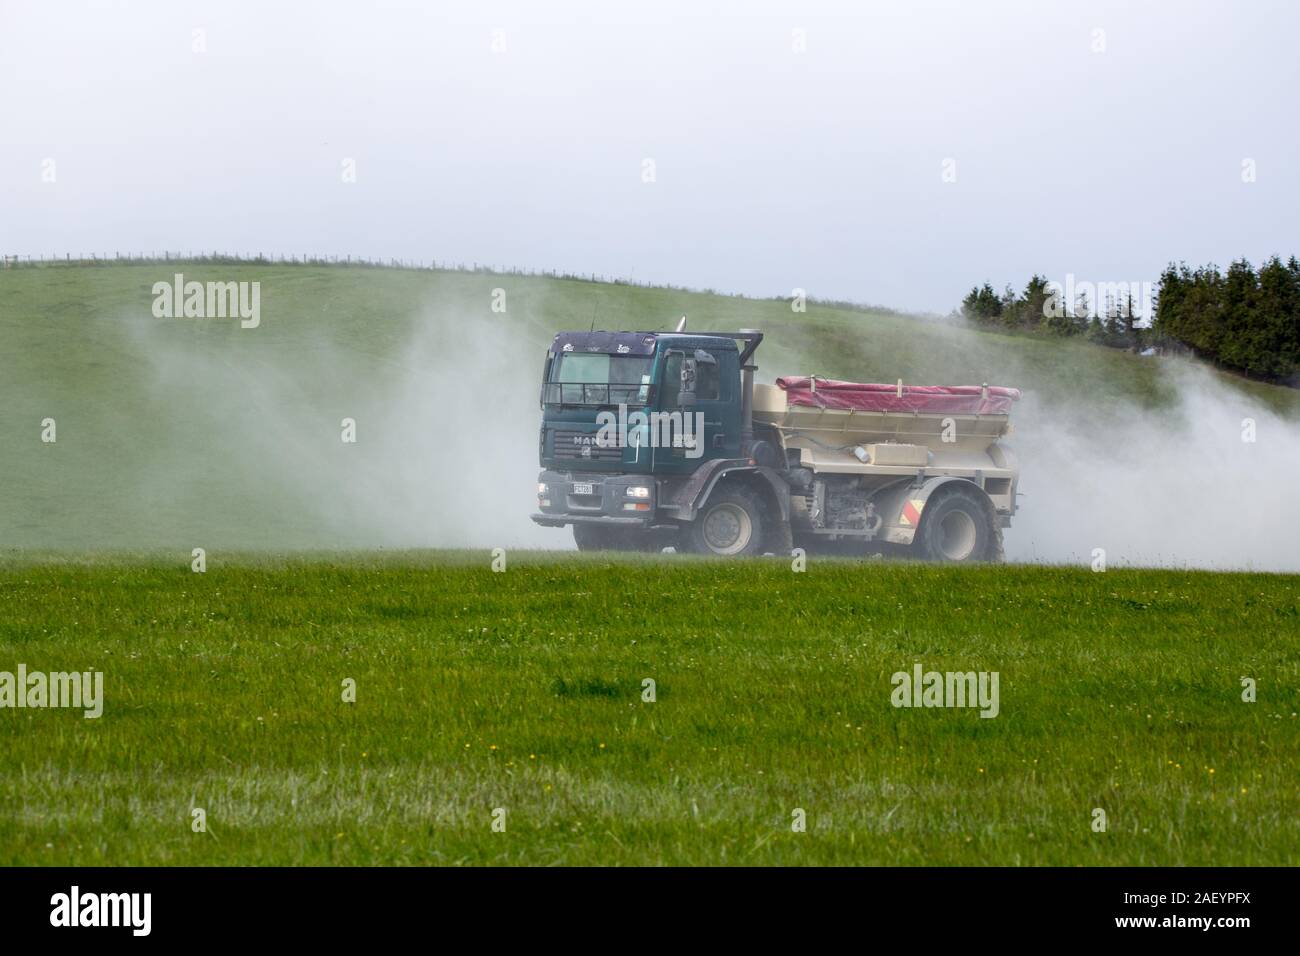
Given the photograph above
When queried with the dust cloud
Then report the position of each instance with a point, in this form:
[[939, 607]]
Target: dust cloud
[[446, 453], [1182, 486], [1157, 461], [446, 425]]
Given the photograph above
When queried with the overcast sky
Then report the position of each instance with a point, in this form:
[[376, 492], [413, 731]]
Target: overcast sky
[[793, 144]]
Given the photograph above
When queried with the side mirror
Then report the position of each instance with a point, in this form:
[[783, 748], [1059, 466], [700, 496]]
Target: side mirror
[[686, 397]]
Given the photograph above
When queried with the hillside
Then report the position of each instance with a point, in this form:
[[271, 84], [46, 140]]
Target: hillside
[[176, 433]]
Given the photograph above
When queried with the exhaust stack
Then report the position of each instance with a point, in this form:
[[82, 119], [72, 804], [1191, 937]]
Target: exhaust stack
[[747, 370]]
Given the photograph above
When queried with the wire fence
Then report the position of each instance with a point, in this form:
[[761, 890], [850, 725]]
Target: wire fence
[[97, 259], [215, 258]]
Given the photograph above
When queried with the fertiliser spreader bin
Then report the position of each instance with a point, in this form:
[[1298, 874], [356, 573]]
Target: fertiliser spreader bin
[[651, 439]]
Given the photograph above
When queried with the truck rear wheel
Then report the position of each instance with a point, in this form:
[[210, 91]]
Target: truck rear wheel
[[958, 526], [729, 524]]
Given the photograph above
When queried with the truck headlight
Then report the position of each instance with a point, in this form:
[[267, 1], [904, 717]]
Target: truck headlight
[[638, 491], [541, 487]]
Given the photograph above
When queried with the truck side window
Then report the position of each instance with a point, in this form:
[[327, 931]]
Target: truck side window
[[672, 383], [707, 380]]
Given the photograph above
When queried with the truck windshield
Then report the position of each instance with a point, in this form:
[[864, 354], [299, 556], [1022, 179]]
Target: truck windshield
[[595, 378]]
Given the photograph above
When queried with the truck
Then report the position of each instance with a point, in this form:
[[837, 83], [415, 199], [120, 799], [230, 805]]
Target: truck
[[658, 439]]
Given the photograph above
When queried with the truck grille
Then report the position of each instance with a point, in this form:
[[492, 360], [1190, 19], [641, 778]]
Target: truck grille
[[570, 444]]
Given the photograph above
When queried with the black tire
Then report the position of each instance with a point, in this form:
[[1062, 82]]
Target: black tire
[[731, 524], [958, 526], [642, 541], [590, 537]]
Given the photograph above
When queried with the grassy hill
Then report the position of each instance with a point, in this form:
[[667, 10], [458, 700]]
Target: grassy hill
[[523, 690], [177, 433]]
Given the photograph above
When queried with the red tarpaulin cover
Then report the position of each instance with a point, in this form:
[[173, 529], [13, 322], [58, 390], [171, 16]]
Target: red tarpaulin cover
[[931, 399]]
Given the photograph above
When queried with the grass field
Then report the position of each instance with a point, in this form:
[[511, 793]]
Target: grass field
[[522, 690]]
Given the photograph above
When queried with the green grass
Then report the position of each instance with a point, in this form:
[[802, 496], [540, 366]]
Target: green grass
[[522, 690]]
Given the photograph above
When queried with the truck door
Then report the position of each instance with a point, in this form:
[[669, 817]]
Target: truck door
[[716, 406]]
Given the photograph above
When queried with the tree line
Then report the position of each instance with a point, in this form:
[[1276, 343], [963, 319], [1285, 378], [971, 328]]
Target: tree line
[[1041, 307], [1246, 319]]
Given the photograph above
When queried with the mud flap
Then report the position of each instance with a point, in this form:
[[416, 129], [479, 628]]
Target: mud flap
[[780, 539]]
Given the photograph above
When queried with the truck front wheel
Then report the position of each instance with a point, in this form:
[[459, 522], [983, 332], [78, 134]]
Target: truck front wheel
[[958, 527], [596, 538], [730, 524], [589, 537]]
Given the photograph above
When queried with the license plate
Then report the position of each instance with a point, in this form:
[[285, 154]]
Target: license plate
[[582, 487]]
